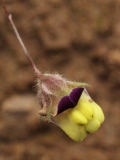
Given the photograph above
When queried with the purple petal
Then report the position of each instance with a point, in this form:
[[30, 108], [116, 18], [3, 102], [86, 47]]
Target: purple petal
[[64, 104], [69, 101], [75, 95]]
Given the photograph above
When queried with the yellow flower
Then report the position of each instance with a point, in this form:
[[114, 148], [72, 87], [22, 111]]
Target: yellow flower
[[64, 102], [68, 105], [86, 117]]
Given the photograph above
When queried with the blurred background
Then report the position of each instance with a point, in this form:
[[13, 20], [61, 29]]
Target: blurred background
[[79, 39]]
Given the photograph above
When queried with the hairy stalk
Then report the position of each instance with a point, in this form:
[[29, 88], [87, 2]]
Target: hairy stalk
[[9, 16]]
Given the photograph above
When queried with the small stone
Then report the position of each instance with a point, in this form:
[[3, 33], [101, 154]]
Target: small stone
[[20, 117], [22, 104]]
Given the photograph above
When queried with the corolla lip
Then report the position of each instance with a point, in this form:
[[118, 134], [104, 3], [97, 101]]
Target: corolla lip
[[70, 101]]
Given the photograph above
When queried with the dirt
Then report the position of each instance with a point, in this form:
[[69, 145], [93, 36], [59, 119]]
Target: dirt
[[81, 41]]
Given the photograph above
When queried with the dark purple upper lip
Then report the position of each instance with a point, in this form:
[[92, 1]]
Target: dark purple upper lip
[[69, 101]]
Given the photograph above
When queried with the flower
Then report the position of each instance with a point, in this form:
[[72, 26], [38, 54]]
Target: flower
[[63, 102], [83, 117], [68, 105]]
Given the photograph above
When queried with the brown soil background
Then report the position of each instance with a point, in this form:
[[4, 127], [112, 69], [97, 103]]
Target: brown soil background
[[79, 39]]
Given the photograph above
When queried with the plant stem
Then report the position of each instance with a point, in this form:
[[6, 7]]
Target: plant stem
[[9, 16]]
